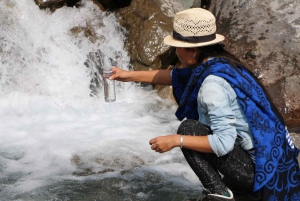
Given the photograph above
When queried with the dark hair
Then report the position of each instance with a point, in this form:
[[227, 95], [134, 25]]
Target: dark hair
[[218, 50]]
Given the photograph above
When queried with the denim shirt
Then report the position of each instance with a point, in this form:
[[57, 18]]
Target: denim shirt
[[218, 108]]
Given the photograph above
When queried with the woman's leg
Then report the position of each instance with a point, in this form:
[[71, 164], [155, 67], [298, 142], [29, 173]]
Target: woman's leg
[[237, 168], [236, 165]]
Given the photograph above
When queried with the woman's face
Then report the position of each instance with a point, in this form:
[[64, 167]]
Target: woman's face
[[187, 56]]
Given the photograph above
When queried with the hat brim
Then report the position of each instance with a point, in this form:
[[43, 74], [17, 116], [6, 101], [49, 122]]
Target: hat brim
[[169, 40]]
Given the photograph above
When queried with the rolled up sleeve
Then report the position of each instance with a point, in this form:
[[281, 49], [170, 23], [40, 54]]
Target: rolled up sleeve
[[215, 99]]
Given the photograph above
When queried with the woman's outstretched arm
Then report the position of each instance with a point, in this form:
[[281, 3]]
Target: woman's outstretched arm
[[161, 77]]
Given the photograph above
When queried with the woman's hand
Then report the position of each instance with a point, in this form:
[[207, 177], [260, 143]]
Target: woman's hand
[[120, 75], [162, 144]]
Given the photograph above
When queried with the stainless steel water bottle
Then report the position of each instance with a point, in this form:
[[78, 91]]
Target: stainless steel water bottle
[[109, 86]]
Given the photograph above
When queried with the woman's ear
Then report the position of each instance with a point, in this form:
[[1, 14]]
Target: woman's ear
[[196, 52]]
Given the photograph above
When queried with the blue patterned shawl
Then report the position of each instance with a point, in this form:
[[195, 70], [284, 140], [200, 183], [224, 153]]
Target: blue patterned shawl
[[273, 157]]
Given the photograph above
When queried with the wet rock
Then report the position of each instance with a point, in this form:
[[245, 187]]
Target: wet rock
[[95, 63], [114, 4], [54, 4], [145, 33], [148, 22]]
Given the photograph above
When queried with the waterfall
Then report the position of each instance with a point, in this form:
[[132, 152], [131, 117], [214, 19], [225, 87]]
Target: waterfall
[[59, 142]]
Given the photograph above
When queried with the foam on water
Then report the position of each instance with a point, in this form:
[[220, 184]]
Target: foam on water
[[52, 131]]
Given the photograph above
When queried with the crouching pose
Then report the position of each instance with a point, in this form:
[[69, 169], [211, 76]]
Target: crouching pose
[[232, 136]]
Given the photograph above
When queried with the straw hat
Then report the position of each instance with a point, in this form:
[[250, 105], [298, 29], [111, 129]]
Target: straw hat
[[194, 27]]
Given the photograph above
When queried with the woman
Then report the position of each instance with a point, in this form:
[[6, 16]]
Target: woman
[[233, 136]]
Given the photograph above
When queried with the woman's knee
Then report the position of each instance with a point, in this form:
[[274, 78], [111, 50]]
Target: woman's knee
[[193, 127]]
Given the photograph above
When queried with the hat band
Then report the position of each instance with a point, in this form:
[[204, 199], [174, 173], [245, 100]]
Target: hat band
[[194, 39]]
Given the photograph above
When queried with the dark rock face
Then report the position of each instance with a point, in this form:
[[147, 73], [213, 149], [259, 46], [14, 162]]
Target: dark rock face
[[147, 26], [114, 4], [109, 5], [54, 4], [148, 22], [265, 35]]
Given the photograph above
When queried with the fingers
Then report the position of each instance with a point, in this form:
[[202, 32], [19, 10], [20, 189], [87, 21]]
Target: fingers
[[154, 146], [119, 75], [152, 141], [112, 77], [114, 71]]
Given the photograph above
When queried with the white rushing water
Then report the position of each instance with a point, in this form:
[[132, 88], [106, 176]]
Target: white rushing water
[[59, 143]]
